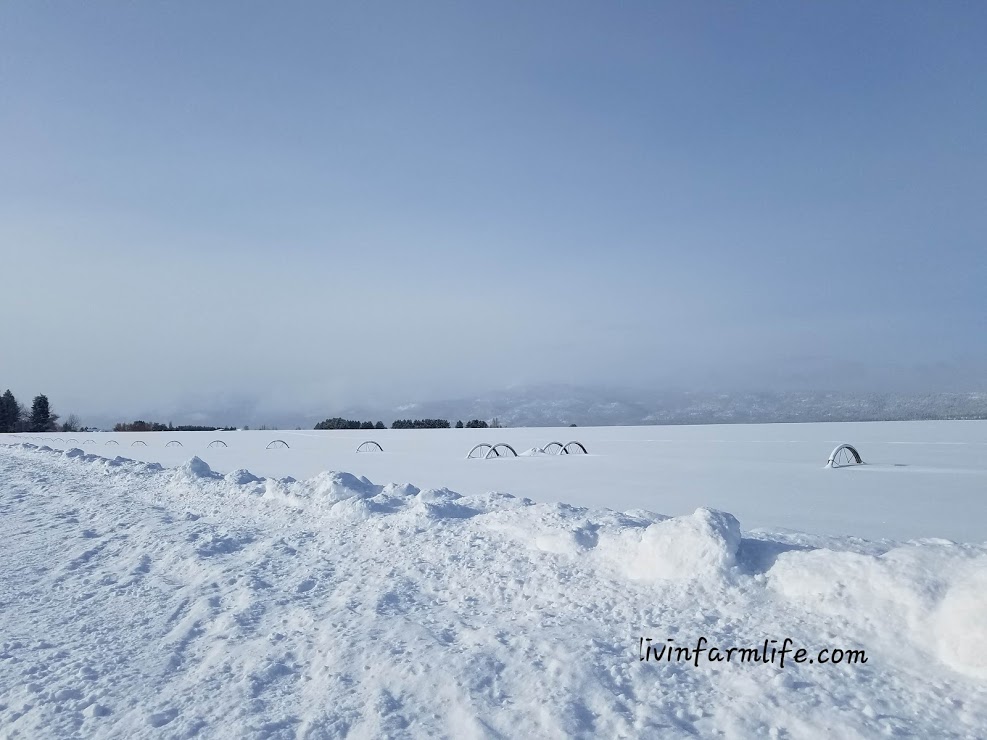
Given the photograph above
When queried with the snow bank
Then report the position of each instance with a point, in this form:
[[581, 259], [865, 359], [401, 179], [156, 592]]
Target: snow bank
[[960, 621], [932, 595], [334, 606], [703, 544]]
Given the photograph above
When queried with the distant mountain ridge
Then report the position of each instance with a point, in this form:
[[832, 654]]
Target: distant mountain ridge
[[586, 406], [556, 405]]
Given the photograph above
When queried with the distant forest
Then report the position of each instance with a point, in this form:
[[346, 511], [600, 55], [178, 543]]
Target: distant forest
[[340, 423], [154, 426]]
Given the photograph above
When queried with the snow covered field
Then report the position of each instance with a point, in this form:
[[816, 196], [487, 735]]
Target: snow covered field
[[922, 479], [172, 593]]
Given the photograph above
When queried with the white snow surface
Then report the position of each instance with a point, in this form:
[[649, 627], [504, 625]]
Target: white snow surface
[[138, 600], [922, 479]]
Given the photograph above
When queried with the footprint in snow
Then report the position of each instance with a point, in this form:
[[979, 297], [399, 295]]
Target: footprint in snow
[[143, 567], [160, 719], [221, 544]]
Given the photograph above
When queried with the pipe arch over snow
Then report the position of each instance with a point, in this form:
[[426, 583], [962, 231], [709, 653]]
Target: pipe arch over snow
[[368, 446], [495, 450], [844, 455], [480, 447]]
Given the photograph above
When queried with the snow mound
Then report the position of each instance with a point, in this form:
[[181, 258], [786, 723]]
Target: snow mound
[[192, 470], [960, 623], [441, 503], [910, 593], [437, 495], [335, 487], [241, 477], [402, 490], [117, 462], [874, 592], [341, 494], [559, 528], [82, 456], [702, 544]]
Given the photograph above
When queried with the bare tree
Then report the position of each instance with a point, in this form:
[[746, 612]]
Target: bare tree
[[72, 424]]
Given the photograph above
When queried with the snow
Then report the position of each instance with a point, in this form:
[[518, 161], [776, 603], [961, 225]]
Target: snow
[[703, 543], [922, 479], [207, 592]]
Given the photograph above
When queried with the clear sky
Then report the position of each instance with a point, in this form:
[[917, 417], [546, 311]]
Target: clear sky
[[353, 202]]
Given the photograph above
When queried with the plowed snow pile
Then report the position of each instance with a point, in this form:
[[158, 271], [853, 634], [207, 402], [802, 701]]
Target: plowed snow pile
[[142, 602]]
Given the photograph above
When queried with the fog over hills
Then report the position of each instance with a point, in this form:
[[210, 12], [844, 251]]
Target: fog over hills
[[561, 405]]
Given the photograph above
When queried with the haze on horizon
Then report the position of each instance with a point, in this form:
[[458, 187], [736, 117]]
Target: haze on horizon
[[341, 203]]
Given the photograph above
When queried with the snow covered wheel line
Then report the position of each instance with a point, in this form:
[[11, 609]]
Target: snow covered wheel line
[[369, 446], [844, 455], [277, 444], [486, 451], [217, 443], [500, 447], [479, 451]]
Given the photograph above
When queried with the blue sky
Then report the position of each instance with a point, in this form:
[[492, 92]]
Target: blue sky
[[320, 202]]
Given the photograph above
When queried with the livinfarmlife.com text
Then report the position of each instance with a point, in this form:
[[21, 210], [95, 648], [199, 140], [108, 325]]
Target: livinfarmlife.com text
[[771, 651]]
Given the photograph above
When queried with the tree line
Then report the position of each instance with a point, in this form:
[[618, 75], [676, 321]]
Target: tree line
[[420, 424], [154, 426], [14, 417], [340, 423]]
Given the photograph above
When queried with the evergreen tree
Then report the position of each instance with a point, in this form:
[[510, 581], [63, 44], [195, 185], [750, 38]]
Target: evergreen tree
[[24, 425], [379, 425], [10, 412], [459, 424], [42, 419]]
